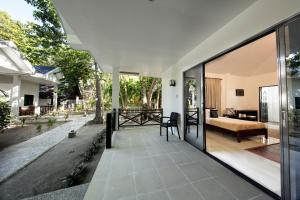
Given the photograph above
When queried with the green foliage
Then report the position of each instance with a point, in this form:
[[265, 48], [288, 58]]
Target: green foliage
[[76, 67], [23, 121], [66, 115], [44, 44], [51, 122], [79, 108], [50, 28], [39, 128], [4, 114], [130, 91], [293, 64]]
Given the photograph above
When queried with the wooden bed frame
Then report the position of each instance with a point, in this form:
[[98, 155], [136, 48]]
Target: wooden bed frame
[[241, 133]]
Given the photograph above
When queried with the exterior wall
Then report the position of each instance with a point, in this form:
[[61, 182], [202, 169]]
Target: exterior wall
[[31, 89], [6, 62], [44, 102], [256, 18]]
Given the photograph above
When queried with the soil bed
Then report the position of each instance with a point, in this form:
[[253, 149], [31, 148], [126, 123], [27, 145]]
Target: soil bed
[[45, 173], [20, 134]]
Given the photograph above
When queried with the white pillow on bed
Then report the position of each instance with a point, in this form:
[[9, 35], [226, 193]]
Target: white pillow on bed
[[207, 113]]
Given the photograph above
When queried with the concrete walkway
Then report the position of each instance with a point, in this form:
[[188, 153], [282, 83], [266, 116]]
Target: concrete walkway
[[143, 166], [18, 156]]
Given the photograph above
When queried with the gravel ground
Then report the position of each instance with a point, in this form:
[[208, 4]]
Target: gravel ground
[[45, 173]]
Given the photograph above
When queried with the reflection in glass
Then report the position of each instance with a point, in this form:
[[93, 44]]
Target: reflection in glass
[[193, 102], [292, 38]]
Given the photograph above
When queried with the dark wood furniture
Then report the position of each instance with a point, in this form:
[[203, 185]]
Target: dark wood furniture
[[26, 110], [241, 133], [172, 122], [192, 119]]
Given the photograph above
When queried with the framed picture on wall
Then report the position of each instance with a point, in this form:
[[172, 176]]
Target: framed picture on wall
[[239, 92]]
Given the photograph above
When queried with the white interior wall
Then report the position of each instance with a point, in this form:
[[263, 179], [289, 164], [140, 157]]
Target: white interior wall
[[255, 19]]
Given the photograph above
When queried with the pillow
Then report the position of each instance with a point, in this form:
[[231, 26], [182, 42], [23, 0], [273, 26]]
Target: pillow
[[207, 113], [214, 113]]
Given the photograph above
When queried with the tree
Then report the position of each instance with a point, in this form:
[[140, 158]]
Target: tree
[[98, 119], [75, 66], [50, 27], [150, 86]]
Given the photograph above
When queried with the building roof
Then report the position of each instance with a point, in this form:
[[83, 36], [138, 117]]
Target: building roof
[[44, 69]]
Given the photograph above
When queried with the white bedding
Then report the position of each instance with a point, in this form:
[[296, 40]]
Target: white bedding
[[234, 124]]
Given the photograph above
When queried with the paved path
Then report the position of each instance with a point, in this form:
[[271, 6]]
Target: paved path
[[18, 156], [72, 193]]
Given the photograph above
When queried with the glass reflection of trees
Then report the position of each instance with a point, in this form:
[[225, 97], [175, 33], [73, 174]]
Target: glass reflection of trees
[[192, 93]]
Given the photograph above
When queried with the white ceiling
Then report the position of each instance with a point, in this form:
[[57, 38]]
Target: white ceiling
[[143, 36], [258, 57]]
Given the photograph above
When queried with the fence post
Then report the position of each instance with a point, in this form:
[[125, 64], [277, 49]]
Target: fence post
[[114, 115], [108, 130], [119, 111]]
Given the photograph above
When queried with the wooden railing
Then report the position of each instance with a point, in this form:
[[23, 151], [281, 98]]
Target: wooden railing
[[46, 109], [139, 117]]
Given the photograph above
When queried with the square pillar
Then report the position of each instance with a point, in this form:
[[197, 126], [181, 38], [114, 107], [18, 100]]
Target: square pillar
[[55, 98], [115, 91], [15, 96]]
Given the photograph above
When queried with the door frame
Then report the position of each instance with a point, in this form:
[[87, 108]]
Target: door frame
[[278, 28], [259, 97]]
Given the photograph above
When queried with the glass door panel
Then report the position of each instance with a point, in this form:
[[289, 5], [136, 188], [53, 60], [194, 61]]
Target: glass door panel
[[193, 106], [290, 95]]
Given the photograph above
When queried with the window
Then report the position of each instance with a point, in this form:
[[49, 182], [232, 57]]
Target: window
[[28, 100], [297, 102]]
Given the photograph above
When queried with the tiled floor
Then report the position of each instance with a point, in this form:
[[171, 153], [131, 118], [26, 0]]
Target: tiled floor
[[143, 166]]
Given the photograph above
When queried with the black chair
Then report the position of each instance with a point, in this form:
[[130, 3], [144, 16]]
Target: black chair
[[192, 119], [172, 122]]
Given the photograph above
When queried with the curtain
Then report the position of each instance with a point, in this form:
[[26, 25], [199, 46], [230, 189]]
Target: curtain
[[213, 93]]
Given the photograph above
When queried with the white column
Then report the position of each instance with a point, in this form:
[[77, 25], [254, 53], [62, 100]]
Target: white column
[[55, 97], [15, 95], [115, 90]]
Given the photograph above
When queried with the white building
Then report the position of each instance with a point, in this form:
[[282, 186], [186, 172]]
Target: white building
[[20, 81]]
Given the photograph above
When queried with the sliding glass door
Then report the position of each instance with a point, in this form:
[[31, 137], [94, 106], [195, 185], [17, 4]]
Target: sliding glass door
[[289, 52], [193, 106]]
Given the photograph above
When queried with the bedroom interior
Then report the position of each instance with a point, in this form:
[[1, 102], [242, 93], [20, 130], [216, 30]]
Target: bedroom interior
[[242, 111]]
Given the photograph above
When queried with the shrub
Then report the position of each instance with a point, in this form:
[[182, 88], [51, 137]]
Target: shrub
[[51, 122], [23, 120], [4, 115], [66, 116], [39, 128]]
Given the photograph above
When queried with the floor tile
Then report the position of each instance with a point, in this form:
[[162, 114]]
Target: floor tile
[[180, 158], [172, 177], [159, 170], [118, 188], [162, 161], [262, 197], [143, 164], [237, 186], [194, 171], [161, 195], [184, 192], [147, 181], [211, 190]]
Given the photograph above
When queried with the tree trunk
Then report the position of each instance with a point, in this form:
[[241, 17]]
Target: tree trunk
[[98, 115]]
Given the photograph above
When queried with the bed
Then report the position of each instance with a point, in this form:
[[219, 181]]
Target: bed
[[240, 128]]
